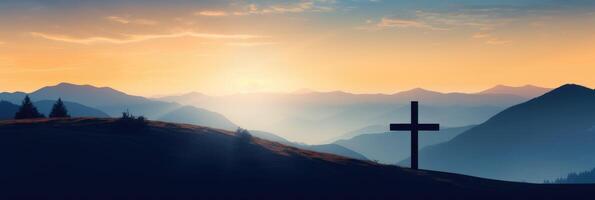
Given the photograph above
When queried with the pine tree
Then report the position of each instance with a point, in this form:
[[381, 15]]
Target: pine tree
[[27, 110], [59, 110]]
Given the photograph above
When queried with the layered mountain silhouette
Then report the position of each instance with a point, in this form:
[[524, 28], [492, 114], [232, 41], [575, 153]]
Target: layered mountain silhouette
[[542, 139], [528, 91], [392, 147], [97, 158], [113, 102], [74, 109], [320, 117], [7, 110], [193, 115]]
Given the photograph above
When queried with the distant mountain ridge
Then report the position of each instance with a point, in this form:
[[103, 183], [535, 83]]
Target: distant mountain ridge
[[318, 117], [542, 139], [391, 147], [8, 109], [114, 102], [529, 91]]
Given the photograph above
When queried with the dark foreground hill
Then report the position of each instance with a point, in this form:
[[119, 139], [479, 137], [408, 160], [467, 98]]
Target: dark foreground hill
[[100, 158]]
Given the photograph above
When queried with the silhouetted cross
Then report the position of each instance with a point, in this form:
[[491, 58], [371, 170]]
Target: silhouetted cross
[[414, 127]]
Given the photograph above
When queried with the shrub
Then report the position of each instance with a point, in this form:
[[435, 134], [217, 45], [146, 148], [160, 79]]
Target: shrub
[[243, 134], [129, 121]]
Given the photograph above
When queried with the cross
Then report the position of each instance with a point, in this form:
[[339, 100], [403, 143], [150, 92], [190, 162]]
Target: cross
[[414, 127]]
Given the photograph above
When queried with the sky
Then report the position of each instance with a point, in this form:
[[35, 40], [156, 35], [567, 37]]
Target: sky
[[150, 47]]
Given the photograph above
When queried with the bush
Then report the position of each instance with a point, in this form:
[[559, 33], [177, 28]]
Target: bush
[[129, 121], [243, 134]]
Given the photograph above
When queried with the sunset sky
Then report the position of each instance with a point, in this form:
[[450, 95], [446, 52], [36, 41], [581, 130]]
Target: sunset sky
[[150, 47]]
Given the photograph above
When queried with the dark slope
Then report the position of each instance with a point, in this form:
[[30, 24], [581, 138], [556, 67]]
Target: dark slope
[[392, 147], [542, 139], [74, 109], [95, 158], [323, 148], [7, 110]]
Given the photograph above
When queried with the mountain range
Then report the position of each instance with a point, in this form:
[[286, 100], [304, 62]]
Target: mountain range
[[86, 158], [321, 117], [392, 147], [542, 139], [113, 102], [8, 109]]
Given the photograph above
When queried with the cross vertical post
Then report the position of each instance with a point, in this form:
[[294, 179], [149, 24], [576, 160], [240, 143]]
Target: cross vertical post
[[414, 135], [414, 127]]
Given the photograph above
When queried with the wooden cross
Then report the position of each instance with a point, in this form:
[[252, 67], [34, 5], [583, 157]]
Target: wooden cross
[[414, 127]]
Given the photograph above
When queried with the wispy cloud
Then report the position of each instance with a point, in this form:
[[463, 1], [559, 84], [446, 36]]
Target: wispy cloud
[[140, 38], [483, 21], [212, 13], [251, 44], [279, 8], [17, 70], [490, 39], [128, 20], [404, 23]]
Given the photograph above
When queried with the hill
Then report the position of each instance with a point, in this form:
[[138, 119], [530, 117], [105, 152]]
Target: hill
[[114, 102], [74, 109], [320, 117], [323, 148], [98, 158], [392, 147], [528, 91], [198, 116], [7, 110], [542, 139]]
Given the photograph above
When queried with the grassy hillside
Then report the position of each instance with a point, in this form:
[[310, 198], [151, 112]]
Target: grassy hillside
[[99, 158]]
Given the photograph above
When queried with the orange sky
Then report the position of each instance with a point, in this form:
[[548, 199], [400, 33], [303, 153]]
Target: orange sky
[[238, 46]]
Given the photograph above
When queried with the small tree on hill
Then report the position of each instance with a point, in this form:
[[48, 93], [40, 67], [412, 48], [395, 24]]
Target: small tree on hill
[[131, 122], [59, 110], [243, 134], [27, 110]]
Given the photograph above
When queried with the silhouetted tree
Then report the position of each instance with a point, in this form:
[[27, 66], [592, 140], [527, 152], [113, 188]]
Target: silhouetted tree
[[243, 134], [28, 110], [59, 110]]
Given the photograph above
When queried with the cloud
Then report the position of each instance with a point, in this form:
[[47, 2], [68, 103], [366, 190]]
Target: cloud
[[251, 44], [388, 23], [490, 39], [127, 20], [211, 13], [400, 23], [255, 9], [17, 70], [139, 38], [484, 21]]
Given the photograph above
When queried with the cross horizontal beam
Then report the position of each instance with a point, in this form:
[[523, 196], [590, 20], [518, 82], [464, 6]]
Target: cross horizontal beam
[[409, 127]]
